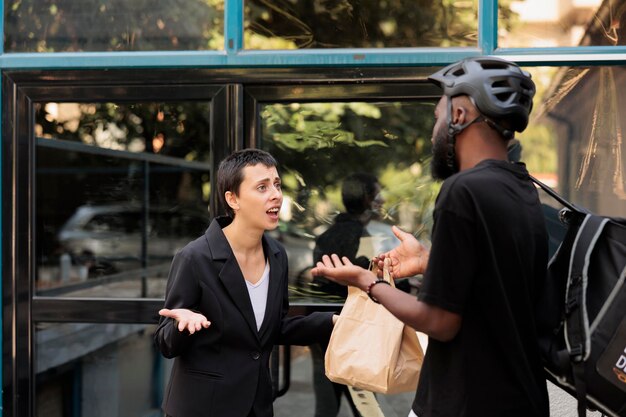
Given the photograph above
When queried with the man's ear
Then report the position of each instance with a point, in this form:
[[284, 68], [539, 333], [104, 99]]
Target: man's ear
[[459, 113], [231, 200]]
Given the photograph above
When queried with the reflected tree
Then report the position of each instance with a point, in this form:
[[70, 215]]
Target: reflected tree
[[318, 144], [363, 23], [112, 25]]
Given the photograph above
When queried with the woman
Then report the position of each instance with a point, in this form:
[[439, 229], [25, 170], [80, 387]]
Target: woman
[[226, 301]]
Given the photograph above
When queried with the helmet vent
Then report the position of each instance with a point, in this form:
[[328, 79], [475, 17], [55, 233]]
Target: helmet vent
[[501, 83], [503, 96], [494, 65]]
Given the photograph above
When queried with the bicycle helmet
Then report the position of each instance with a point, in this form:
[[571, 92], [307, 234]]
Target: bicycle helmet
[[500, 89]]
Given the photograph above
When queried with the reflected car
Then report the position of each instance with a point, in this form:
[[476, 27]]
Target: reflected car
[[109, 238]]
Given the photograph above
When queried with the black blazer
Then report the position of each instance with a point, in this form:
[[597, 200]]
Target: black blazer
[[223, 371]]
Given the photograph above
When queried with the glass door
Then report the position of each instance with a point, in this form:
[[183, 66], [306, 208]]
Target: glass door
[[112, 180]]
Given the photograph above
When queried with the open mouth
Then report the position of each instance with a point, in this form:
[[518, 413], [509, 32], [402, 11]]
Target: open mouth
[[273, 212]]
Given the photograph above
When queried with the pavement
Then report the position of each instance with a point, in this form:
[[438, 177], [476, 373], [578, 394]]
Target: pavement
[[299, 401]]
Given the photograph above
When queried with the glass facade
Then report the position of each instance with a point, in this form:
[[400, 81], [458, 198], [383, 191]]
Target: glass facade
[[554, 23], [119, 189], [576, 130], [285, 24], [116, 114], [112, 25], [388, 141]]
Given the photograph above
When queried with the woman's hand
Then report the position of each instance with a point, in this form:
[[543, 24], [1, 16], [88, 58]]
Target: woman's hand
[[186, 319], [343, 271], [407, 259]]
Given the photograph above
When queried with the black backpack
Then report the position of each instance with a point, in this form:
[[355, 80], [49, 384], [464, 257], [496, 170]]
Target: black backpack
[[582, 311]]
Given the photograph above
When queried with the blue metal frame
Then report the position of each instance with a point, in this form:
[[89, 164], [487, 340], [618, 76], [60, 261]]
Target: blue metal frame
[[233, 54]]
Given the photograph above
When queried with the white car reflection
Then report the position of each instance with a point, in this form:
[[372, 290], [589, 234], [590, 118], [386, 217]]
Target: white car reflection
[[110, 237]]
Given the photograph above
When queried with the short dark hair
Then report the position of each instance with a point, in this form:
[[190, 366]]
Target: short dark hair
[[357, 191], [230, 172]]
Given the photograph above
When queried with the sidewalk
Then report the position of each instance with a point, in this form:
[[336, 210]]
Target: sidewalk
[[300, 401]]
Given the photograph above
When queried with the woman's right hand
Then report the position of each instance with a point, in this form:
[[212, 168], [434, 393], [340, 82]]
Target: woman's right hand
[[186, 319], [407, 259]]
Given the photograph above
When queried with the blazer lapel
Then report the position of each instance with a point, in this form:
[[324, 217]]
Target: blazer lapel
[[275, 290], [230, 274]]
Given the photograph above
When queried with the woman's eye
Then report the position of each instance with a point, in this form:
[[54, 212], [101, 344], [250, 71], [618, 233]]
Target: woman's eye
[[278, 186], [261, 187]]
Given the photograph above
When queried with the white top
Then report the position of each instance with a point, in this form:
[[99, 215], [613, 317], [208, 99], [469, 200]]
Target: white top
[[258, 295]]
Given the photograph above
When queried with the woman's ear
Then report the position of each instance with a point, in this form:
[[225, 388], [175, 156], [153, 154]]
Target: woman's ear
[[231, 200]]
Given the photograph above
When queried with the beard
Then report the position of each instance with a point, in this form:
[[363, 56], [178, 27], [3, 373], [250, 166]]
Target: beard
[[439, 168]]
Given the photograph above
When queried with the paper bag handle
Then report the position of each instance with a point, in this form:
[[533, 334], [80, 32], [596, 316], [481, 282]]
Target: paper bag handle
[[386, 279]]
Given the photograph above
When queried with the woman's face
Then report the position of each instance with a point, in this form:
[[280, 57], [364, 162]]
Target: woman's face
[[260, 197]]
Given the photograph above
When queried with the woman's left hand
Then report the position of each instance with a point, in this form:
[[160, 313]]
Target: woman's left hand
[[186, 319]]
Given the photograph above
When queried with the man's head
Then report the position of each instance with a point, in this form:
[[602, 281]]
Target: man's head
[[360, 192], [500, 94], [230, 172]]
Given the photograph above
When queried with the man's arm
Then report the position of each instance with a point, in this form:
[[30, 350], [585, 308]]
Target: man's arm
[[436, 322]]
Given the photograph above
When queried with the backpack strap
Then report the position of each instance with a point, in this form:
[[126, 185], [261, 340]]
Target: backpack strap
[[577, 335], [557, 196]]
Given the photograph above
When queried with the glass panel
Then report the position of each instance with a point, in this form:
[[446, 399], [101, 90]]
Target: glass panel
[[556, 23], [290, 24], [119, 189], [85, 369], [575, 138], [364, 166], [113, 25]]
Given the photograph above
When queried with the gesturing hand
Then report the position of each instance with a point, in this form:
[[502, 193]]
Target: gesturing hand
[[186, 319], [407, 259], [341, 270]]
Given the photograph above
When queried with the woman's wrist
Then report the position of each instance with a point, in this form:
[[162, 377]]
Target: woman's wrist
[[365, 279]]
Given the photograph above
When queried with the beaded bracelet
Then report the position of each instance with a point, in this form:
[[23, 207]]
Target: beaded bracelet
[[369, 289]]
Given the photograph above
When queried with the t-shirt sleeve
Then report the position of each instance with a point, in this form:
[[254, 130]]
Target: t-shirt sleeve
[[452, 264]]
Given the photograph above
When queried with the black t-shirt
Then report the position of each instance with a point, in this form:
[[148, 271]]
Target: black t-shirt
[[489, 253]]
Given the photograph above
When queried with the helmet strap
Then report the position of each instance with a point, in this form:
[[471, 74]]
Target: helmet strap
[[453, 130], [506, 133]]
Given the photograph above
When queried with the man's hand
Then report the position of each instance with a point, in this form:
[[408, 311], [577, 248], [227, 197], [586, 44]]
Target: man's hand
[[343, 271], [186, 319], [407, 259]]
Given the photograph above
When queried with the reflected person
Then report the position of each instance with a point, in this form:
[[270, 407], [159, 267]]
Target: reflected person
[[226, 301], [361, 197]]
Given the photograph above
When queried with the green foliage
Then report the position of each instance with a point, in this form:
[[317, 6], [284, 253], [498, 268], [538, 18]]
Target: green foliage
[[362, 24], [113, 25], [319, 144]]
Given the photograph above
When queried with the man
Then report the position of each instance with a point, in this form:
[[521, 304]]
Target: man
[[488, 255]]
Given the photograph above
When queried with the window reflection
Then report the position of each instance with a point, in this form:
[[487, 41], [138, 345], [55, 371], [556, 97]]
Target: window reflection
[[580, 115], [112, 25], [320, 148], [97, 370], [282, 24], [555, 23], [119, 189]]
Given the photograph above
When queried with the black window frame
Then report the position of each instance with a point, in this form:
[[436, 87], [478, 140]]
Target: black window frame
[[236, 96]]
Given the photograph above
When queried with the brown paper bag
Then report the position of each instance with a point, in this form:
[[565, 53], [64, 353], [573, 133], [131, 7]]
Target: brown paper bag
[[371, 349]]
